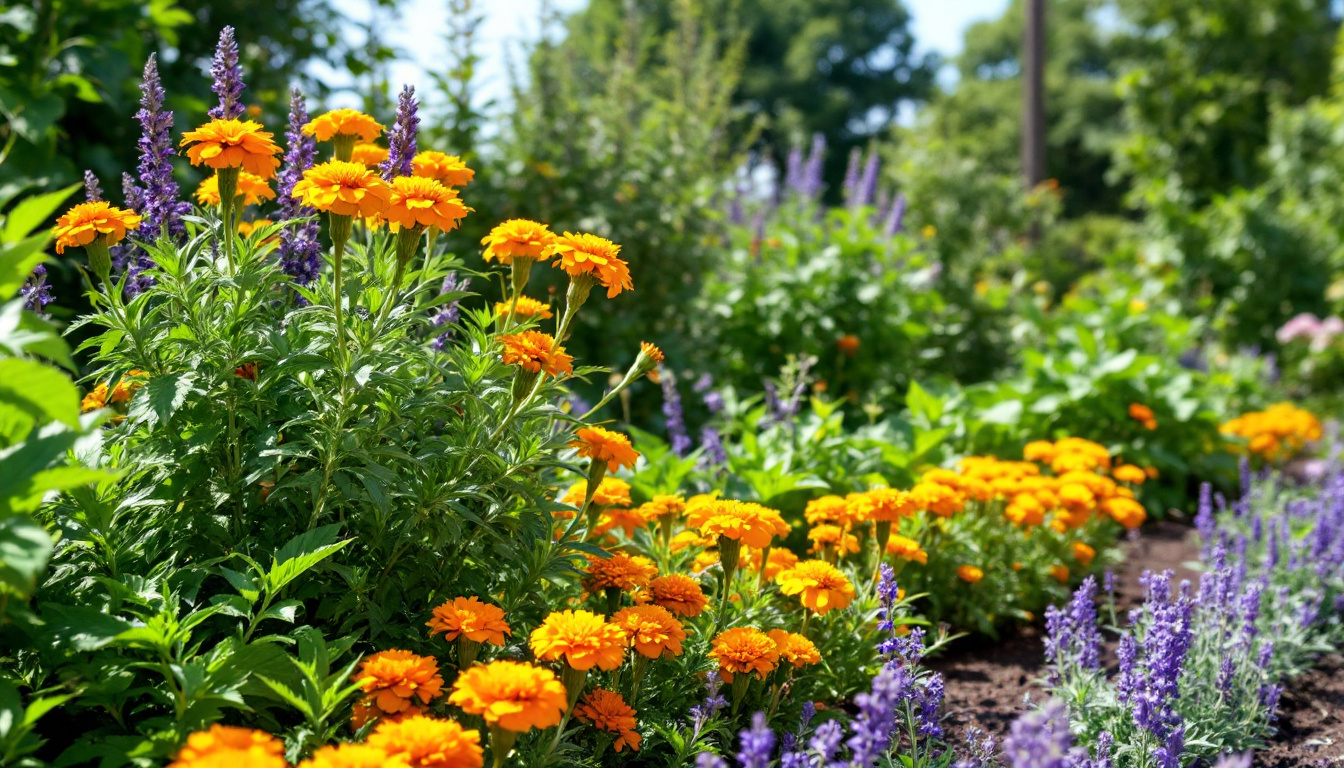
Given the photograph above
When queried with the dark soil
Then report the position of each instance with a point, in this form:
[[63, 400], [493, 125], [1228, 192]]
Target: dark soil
[[1311, 720]]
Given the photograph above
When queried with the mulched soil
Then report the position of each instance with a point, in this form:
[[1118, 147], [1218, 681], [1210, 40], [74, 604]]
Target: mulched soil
[[987, 682]]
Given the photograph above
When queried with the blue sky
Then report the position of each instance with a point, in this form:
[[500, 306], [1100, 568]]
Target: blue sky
[[938, 26]]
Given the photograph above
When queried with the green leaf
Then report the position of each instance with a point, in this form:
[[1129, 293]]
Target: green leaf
[[80, 628], [162, 396], [923, 404], [301, 553], [1007, 412], [40, 390]]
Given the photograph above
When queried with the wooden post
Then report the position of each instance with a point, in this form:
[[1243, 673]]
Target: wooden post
[[1033, 94]]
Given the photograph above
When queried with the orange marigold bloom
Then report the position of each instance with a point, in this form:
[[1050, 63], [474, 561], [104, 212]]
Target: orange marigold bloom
[[469, 617], [1143, 414], [352, 756], [233, 144], [848, 345], [615, 517], [818, 584], [779, 560], [251, 187], [1077, 498], [428, 742], [663, 505], [744, 651], [1060, 573], [688, 539], [582, 638], [526, 307], [223, 746], [87, 222], [680, 594], [246, 228], [345, 189], [607, 711], [393, 680], [517, 239], [343, 122], [881, 505], [512, 695], [937, 499], [652, 630], [584, 254], [829, 509], [1126, 512], [537, 352], [907, 549], [601, 444], [611, 492], [752, 524], [95, 399], [651, 351], [794, 648], [1025, 510], [369, 155], [620, 571], [1083, 553], [1128, 473], [446, 169], [1039, 450], [419, 202], [970, 573], [823, 536]]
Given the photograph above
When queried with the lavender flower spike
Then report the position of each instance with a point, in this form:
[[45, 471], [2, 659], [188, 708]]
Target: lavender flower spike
[[160, 206], [867, 188], [756, 744], [92, 191], [228, 78], [1041, 739], [300, 251], [36, 292], [676, 420], [402, 138]]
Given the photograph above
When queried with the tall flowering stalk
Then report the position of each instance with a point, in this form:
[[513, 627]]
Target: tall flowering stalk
[[228, 78], [672, 412], [402, 139], [300, 251]]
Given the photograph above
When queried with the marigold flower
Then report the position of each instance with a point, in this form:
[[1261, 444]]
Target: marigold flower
[[680, 594], [704, 561], [352, 756], [526, 307], [1083, 553], [744, 651], [223, 745], [1060, 573], [601, 444], [95, 399], [937, 499], [583, 639], [428, 742], [477, 621], [1077, 498], [620, 571], [819, 585], [607, 711], [251, 187], [393, 680], [794, 648], [829, 509], [970, 573], [86, 222], [584, 254], [651, 351], [616, 517], [1126, 512], [1025, 510], [848, 345], [662, 506], [512, 695], [1144, 415], [832, 536], [881, 505], [651, 629], [536, 352], [1039, 450], [343, 122], [752, 524], [1128, 473], [907, 549], [688, 539], [611, 492], [446, 169], [369, 155], [342, 188], [419, 202], [778, 561], [246, 228], [233, 144], [517, 239]]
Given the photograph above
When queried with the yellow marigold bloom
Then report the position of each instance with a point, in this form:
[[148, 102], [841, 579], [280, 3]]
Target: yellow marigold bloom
[[907, 549], [226, 746], [1039, 450], [607, 711], [583, 639], [744, 651], [680, 594], [752, 524], [616, 517], [882, 505], [662, 506], [611, 492], [251, 187], [823, 536], [1128, 473], [369, 155], [393, 680], [1276, 433], [345, 189], [517, 239], [1077, 498], [477, 621], [419, 202], [427, 742], [584, 254], [1126, 512], [1060, 573], [704, 561], [512, 695], [87, 222], [651, 351], [536, 352], [620, 571], [818, 584], [1025, 510], [233, 144], [652, 630], [127, 387], [352, 756], [794, 648], [1065, 463], [779, 560], [246, 228], [446, 169], [937, 499], [688, 539], [601, 444], [95, 399], [970, 573], [343, 122], [828, 509], [526, 307], [1083, 553]]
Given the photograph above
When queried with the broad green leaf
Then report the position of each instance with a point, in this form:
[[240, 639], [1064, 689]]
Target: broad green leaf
[[1007, 412], [17, 262], [923, 404], [302, 553], [40, 390], [162, 396], [25, 548], [32, 212]]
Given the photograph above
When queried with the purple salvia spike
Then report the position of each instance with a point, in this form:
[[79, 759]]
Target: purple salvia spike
[[756, 744], [811, 180], [92, 191], [672, 411], [793, 175], [868, 182], [300, 251], [449, 313], [36, 292], [228, 77], [402, 138], [896, 218], [850, 188]]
